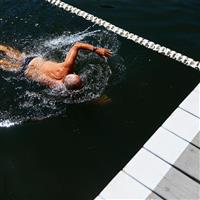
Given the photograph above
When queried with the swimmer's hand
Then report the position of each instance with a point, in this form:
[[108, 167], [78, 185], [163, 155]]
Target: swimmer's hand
[[103, 52]]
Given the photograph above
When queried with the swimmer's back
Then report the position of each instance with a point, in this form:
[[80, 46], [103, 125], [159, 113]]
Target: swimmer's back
[[47, 72]]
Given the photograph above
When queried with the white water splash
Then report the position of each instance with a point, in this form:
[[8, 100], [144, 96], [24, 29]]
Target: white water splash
[[7, 123], [29, 101], [65, 40]]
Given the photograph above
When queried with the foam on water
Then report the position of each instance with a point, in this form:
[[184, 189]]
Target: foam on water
[[23, 100], [7, 123], [68, 39]]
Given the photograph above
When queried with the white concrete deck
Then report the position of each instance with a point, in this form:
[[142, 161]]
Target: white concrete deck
[[168, 165]]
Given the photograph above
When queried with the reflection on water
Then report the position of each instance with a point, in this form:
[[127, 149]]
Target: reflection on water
[[30, 101]]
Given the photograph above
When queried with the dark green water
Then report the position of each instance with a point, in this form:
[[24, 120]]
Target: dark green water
[[62, 150]]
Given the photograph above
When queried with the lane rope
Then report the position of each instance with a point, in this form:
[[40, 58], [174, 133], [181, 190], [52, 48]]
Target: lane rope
[[130, 36]]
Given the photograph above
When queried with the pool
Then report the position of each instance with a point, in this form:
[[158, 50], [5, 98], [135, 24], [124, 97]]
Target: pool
[[56, 146]]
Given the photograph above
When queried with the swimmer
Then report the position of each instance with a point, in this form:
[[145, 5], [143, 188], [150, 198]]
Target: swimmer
[[46, 72]]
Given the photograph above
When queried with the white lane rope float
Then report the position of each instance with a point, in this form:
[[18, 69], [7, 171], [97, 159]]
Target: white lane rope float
[[130, 36]]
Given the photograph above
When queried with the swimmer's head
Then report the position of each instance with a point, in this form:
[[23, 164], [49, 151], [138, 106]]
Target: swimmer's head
[[73, 82]]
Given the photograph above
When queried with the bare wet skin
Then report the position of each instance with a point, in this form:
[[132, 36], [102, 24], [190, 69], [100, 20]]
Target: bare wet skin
[[45, 72]]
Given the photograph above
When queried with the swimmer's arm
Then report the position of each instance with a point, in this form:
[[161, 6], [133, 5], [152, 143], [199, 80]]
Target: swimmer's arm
[[72, 55], [103, 52], [85, 46]]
